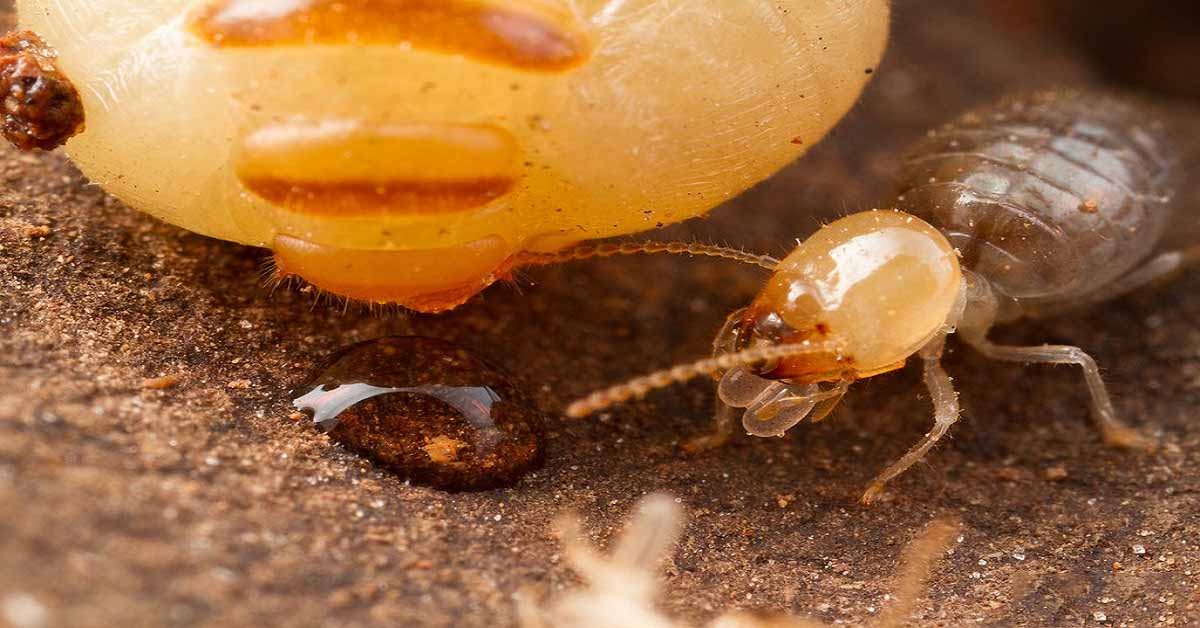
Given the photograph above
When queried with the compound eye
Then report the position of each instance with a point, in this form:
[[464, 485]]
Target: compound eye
[[769, 327]]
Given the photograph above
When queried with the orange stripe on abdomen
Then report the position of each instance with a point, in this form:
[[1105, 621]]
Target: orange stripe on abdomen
[[535, 35], [362, 198], [352, 168]]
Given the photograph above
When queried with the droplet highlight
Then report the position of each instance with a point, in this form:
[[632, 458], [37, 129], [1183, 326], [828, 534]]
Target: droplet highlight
[[429, 410]]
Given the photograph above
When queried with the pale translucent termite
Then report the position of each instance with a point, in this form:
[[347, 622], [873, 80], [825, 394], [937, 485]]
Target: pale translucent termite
[[1032, 206], [619, 589], [407, 151]]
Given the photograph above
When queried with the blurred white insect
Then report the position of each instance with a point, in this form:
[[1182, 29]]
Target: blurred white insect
[[620, 591]]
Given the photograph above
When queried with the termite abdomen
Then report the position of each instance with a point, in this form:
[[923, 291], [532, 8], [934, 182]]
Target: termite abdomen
[[407, 151], [1050, 196]]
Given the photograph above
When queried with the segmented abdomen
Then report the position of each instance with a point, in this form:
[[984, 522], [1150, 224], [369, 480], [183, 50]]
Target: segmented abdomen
[[1051, 195]]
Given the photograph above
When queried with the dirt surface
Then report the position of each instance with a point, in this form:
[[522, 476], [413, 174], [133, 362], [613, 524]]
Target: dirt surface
[[127, 498]]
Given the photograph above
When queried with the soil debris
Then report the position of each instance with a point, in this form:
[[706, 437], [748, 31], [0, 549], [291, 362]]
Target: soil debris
[[41, 107]]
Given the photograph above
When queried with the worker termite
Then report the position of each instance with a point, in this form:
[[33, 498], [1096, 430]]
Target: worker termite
[[1032, 206], [406, 151]]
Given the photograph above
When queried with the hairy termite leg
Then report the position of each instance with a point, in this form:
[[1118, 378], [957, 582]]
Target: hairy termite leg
[[1114, 431], [724, 420], [945, 413], [973, 328]]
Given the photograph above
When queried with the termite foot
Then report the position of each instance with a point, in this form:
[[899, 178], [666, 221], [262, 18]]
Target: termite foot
[[872, 494], [1129, 438]]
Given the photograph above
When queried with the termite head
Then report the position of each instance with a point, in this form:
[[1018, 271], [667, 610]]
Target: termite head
[[866, 292]]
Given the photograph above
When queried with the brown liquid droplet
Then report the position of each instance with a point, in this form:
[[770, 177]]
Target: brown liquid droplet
[[429, 410]]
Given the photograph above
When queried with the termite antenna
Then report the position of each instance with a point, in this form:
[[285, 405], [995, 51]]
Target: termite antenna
[[919, 557], [639, 386], [611, 249]]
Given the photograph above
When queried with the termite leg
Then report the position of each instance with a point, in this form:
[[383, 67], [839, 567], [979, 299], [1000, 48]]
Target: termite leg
[[945, 413], [973, 329], [1114, 431], [723, 425]]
